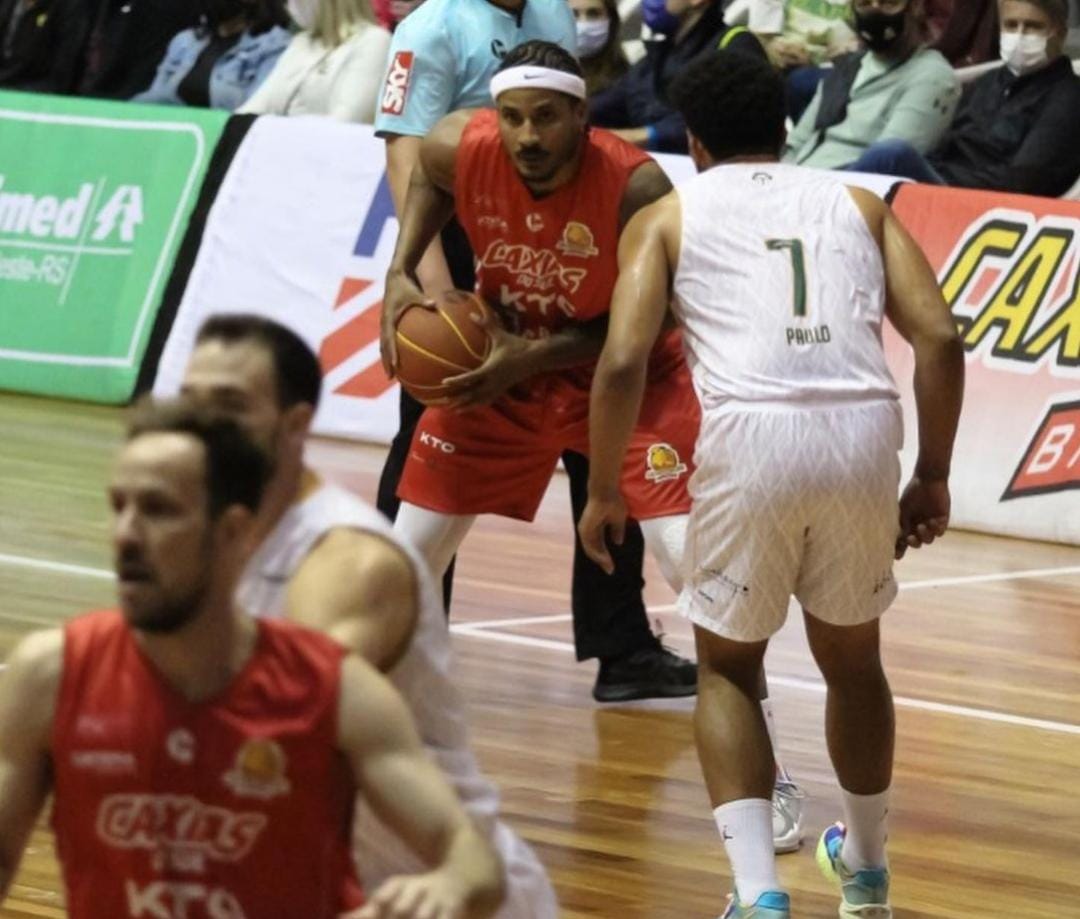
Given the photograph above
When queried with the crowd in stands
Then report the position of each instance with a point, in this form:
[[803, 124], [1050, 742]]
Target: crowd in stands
[[873, 85]]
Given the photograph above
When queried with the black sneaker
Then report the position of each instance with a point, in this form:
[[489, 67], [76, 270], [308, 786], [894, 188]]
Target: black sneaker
[[651, 673]]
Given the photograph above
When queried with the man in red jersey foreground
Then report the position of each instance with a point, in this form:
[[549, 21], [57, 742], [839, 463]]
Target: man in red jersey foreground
[[543, 200], [204, 763]]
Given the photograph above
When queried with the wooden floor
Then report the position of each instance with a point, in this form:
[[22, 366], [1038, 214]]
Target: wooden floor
[[983, 648]]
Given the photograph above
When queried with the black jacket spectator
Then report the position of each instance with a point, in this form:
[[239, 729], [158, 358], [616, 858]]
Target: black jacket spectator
[[127, 40], [639, 98], [1018, 134], [40, 44]]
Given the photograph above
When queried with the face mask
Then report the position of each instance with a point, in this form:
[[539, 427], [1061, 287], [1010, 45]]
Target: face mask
[[880, 31], [592, 37], [657, 18], [303, 12], [1023, 53]]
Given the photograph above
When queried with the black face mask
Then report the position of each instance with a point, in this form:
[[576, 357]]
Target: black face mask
[[880, 31]]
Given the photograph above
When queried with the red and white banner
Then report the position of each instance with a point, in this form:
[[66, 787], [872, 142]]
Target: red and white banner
[[1010, 269]]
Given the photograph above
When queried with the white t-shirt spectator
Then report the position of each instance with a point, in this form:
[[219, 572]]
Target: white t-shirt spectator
[[313, 79]]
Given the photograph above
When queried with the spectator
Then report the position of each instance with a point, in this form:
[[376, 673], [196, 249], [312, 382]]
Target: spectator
[[895, 89], [971, 34], [40, 42], [598, 43], [799, 36], [1018, 127], [127, 40], [636, 107], [796, 33], [223, 61], [333, 67]]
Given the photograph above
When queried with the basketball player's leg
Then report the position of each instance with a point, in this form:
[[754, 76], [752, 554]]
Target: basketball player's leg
[[436, 536], [846, 584], [860, 731], [737, 761]]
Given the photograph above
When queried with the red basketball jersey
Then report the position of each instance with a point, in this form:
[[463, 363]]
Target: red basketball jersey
[[237, 807], [545, 262]]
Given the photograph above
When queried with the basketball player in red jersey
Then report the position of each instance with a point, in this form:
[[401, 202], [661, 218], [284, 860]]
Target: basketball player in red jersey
[[203, 764], [543, 200]]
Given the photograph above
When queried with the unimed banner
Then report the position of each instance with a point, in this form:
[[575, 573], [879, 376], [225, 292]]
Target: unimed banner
[[1009, 267], [94, 200]]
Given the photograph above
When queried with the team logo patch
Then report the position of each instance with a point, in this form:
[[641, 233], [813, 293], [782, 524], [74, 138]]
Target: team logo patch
[[662, 463], [259, 770], [397, 83], [577, 239]]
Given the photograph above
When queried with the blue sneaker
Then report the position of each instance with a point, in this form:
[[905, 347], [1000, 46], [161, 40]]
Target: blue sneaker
[[864, 894], [772, 904]]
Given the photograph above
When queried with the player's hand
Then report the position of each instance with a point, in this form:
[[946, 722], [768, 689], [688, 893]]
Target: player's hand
[[603, 518], [506, 365], [924, 513], [435, 895], [400, 293]]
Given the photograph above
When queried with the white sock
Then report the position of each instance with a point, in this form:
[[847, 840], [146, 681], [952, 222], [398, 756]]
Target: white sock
[[864, 815], [746, 828], [774, 739]]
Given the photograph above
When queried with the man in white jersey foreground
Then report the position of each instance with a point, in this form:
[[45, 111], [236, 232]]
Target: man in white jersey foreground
[[780, 277], [327, 560]]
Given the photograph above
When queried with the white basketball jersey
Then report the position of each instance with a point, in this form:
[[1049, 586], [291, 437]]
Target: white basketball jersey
[[422, 676], [779, 289]]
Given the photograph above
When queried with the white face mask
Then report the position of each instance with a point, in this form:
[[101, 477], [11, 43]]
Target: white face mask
[[592, 36], [303, 12], [1023, 52]]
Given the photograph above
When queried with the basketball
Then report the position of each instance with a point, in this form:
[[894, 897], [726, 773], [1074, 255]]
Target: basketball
[[434, 344]]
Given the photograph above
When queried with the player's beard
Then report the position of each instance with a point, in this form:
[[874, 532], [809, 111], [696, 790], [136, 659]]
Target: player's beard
[[171, 611]]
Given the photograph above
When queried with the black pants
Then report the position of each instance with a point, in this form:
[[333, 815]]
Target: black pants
[[609, 614]]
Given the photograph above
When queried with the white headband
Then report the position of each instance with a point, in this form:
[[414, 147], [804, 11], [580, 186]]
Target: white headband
[[529, 77]]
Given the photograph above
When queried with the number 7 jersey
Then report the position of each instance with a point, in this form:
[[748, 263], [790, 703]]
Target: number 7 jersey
[[780, 289]]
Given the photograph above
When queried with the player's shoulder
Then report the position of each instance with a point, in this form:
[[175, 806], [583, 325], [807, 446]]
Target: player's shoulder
[[428, 25], [35, 665]]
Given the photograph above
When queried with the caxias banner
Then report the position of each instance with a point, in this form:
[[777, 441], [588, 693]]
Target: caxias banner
[[94, 200], [1009, 267]]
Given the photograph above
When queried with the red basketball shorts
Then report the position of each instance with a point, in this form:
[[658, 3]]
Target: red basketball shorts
[[499, 459]]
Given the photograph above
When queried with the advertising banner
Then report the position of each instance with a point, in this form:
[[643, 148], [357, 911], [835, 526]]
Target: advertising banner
[[1009, 267], [94, 200], [301, 231]]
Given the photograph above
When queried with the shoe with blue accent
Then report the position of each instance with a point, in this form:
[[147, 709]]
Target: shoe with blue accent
[[864, 894], [773, 904]]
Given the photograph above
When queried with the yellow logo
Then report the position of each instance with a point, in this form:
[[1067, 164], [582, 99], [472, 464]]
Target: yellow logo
[[663, 463], [259, 770], [577, 239]]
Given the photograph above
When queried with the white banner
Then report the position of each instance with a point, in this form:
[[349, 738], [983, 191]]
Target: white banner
[[302, 231]]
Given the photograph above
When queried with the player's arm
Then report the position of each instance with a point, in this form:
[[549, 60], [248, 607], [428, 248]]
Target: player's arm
[[410, 795], [421, 176], [647, 251], [361, 590], [918, 311], [28, 689], [513, 359]]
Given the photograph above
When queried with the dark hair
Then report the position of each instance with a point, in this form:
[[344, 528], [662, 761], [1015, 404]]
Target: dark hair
[[259, 15], [541, 54], [733, 103], [1056, 10], [297, 374], [236, 468], [609, 63]]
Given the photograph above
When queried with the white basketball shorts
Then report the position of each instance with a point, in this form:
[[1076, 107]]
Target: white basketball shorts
[[792, 500]]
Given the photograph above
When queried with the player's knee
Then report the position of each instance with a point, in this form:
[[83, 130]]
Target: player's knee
[[724, 661], [845, 654]]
